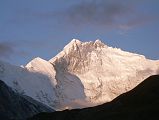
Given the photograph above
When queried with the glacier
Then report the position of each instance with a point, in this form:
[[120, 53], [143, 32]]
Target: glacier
[[83, 74]]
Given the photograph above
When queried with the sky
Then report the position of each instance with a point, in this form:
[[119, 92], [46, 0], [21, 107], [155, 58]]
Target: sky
[[41, 28]]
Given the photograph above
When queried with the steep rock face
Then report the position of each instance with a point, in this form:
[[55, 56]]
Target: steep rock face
[[16, 106], [83, 74]]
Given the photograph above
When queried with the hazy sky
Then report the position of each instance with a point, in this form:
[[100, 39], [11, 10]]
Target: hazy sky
[[31, 28]]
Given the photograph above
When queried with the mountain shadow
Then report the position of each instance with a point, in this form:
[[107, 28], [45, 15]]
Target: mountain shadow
[[14, 106], [69, 88], [141, 103]]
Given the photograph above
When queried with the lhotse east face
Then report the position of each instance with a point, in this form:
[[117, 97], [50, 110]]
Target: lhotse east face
[[83, 74]]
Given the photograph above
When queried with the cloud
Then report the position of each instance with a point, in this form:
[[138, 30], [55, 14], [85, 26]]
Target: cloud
[[6, 49], [99, 12], [106, 13]]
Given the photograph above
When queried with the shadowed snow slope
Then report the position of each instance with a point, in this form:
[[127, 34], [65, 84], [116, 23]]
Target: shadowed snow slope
[[14, 106], [83, 74]]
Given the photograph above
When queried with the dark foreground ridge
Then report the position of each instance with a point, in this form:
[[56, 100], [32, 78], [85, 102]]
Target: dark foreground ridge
[[14, 106], [140, 103]]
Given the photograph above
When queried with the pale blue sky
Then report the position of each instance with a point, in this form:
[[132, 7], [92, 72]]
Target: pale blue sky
[[31, 28]]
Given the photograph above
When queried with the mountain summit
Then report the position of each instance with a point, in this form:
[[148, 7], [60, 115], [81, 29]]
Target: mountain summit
[[83, 74]]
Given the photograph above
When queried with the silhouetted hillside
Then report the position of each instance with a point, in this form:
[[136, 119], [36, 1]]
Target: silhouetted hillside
[[14, 106], [140, 103]]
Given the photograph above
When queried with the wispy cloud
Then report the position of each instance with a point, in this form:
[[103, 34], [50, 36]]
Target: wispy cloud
[[98, 12], [6, 49], [121, 14]]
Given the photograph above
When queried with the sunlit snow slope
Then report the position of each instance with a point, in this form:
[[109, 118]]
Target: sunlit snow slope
[[83, 74]]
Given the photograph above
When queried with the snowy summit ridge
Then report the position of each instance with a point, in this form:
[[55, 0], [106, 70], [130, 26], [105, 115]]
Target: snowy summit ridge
[[83, 74], [75, 44]]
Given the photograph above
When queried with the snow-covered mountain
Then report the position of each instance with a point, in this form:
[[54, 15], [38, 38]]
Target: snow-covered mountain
[[83, 74]]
